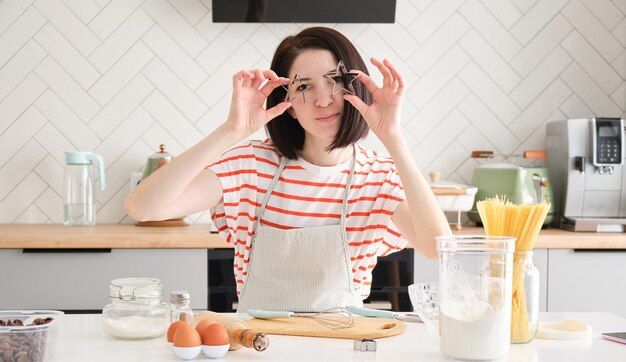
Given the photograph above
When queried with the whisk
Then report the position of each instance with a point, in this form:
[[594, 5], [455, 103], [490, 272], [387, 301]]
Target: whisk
[[333, 318]]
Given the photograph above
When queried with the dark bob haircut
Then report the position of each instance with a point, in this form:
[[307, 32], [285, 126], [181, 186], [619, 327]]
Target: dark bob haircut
[[285, 131]]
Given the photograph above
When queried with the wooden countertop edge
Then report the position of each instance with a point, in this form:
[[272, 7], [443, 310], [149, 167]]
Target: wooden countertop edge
[[562, 239], [114, 236], [198, 236]]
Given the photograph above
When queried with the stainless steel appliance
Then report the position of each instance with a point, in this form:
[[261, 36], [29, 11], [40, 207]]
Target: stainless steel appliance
[[586, 166]]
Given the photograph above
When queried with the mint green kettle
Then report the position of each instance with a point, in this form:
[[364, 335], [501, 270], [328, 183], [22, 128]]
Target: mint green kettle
[[79, 207]]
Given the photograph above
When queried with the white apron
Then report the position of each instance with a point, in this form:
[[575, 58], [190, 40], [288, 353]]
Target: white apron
[[299, 270]]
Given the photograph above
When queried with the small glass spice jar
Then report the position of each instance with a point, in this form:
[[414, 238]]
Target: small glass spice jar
[[180, 309], [525, 304], [135, 310]]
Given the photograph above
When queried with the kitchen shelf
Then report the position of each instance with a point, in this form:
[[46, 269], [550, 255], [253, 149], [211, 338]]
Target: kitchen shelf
[[126, 236]]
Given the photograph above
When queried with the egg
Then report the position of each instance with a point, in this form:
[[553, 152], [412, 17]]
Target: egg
[[215, 335], [187, 342], [215, 341], [201, 326], [186, 336], [173, 327]]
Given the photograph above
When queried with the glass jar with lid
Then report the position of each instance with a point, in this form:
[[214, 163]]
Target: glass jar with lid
[[180, 309], [135, 310]]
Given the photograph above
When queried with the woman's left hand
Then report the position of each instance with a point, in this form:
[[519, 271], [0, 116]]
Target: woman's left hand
[[383, 115]]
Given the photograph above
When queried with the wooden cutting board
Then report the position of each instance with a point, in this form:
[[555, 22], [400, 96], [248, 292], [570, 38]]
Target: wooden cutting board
[[364, 327]]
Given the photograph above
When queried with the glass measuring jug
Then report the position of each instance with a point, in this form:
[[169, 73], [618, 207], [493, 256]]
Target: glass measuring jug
[[79, 207], [475, 288]]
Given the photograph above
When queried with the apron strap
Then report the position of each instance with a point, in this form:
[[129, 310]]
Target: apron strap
[[346, 192], [268, 193]]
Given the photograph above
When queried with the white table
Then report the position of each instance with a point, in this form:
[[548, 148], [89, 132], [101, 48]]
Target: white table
[[81, 339]]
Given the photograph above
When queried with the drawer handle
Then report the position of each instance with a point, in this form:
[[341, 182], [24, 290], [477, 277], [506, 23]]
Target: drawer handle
[[65, 250], [599, 250]]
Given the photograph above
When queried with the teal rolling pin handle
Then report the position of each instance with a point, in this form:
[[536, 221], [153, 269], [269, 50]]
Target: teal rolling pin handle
[[371, 312], [377, 313], [268, 314]]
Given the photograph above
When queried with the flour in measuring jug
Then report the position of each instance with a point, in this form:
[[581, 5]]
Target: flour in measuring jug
[[474, 331]]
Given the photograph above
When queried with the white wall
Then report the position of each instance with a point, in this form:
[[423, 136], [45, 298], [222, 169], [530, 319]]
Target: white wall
[[120, 77]]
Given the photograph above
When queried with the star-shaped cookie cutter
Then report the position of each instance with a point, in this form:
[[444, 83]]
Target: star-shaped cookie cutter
[[293, 81], [343, 72]]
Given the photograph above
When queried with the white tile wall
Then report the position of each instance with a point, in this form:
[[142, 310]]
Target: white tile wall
[[119, 77], [488, 26]]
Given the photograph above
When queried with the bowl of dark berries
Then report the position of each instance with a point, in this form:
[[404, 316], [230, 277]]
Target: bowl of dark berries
[[28, 335]]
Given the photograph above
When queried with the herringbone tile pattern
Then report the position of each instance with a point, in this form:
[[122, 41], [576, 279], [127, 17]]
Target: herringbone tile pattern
[[119, 77]]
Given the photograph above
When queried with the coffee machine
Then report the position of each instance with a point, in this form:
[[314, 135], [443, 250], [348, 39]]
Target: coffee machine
[[585, 159]]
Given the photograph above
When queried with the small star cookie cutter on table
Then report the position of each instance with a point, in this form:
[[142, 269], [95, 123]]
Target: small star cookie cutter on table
[[365, 345]]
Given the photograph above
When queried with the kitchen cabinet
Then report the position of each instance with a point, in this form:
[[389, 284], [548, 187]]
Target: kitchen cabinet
[[587, 280], [78, 279], [426, 271]]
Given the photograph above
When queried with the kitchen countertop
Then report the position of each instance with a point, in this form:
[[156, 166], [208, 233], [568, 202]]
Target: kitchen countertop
[[25, 236], [122, 236], [81, 339]]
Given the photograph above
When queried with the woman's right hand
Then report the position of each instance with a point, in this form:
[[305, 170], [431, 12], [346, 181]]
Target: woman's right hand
[[247, 112]]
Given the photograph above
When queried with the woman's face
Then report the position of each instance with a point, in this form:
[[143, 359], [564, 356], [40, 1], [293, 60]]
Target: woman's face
[[314, 105]]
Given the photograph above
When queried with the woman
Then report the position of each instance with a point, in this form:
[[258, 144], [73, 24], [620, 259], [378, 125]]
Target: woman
[[308, 211]]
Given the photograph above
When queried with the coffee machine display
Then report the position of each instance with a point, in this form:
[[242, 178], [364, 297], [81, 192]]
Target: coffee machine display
[[586, 166], [607, 139]]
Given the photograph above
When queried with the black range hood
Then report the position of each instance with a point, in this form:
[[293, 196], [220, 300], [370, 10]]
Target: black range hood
[[304, 11]]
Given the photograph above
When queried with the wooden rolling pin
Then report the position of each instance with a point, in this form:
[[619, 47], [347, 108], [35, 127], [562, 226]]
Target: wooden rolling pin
[[238, 331]]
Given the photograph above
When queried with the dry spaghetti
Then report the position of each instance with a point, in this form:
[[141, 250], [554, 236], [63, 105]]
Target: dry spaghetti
[[502, 218]]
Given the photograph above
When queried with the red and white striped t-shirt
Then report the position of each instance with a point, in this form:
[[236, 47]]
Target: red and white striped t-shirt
[[309, 195]]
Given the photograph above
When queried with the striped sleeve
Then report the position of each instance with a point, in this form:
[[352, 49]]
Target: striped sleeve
[[234, 217], [394, 196]]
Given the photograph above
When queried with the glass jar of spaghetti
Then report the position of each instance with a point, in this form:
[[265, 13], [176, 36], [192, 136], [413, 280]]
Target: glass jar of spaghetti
[[525, 305]]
